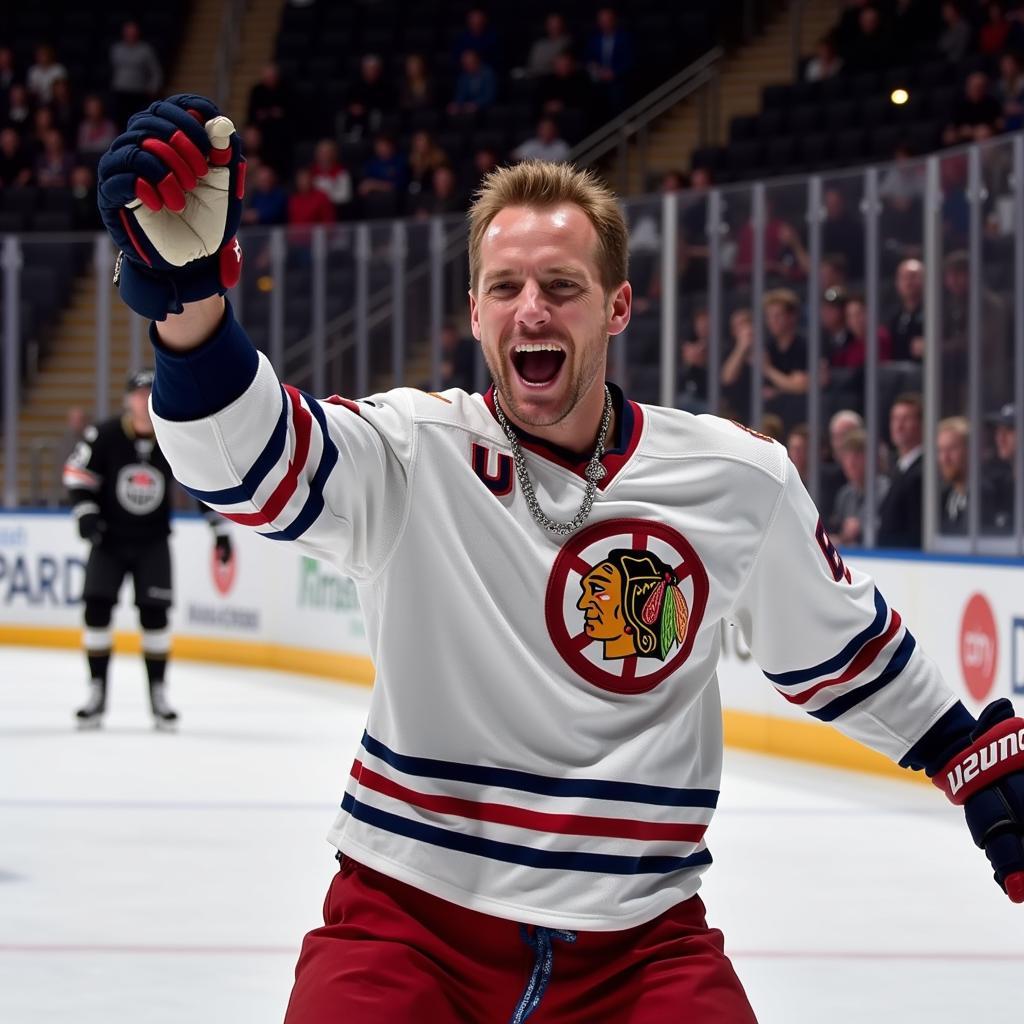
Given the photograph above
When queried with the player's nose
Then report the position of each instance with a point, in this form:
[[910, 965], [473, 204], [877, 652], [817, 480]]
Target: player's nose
[[532, 309]]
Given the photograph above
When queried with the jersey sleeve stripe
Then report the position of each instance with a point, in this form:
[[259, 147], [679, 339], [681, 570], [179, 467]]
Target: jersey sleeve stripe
[[286, 487], [257, 472], [830, 712], [514, 853], [314, 504], [80, 479], [540, 821], [833, 664], [509, 778], [860, 664]]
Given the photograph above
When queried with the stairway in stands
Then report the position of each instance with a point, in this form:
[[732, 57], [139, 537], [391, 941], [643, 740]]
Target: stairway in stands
[[765, 60]]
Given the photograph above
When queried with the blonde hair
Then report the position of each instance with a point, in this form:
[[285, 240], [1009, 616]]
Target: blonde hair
[[958, 425], [537, 184], [784, 297]]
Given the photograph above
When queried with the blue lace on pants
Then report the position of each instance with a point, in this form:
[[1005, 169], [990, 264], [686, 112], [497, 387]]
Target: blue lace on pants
[[539, 940]]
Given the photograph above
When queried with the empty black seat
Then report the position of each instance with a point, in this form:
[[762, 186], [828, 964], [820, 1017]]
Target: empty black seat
[[850, 145], [814, 149], [771, 123], [742, 128], [781, 152], [805, 120], [776, 96]]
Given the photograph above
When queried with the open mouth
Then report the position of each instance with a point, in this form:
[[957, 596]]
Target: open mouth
[[537, 363]]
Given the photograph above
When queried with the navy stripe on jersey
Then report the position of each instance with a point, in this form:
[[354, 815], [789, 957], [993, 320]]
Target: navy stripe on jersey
[[513, 853], [510, 778], [315, 500], [897, 663], [257, 472], [805, 675]]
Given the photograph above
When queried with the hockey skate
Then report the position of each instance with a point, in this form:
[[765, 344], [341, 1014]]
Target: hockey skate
[[90, 715], [165, 718]]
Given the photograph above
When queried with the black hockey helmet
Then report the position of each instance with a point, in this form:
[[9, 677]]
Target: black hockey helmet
[[138, 379]]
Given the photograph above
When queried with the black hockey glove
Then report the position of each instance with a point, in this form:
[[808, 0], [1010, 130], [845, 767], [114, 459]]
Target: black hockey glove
[[222, 545], [987, 780], [91, 527]]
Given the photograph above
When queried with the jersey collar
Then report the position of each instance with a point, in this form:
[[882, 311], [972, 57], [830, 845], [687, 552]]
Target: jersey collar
[[629, 422]]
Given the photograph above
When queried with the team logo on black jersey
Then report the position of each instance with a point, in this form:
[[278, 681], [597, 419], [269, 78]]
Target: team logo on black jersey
[[140, 489], [624, 602]]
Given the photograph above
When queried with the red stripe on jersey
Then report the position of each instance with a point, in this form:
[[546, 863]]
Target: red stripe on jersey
[[867, 654], [539, 821], [345, 403], [302, 423]]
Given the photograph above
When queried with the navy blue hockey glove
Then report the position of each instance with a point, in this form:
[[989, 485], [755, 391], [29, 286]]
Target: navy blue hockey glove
[[170, 193], [91, 527], [987, 780]]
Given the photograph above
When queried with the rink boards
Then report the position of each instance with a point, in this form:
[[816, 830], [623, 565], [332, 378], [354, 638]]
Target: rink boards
[[271, 607]]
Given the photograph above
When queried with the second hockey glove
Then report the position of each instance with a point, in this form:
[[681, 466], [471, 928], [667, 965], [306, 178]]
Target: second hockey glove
[[90, 527], [987, 780], [170, 194]]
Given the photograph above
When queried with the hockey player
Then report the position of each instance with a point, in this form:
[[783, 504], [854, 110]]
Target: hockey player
[[119, 483], [543, 571]]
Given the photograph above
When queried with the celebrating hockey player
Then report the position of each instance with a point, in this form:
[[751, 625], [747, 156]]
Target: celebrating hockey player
[[119, 483], [543, 571]]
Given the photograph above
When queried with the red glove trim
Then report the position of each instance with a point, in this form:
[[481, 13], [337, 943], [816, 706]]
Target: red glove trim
[[230, 263], [240, 183], [995, 754], [171, 193], [148, 195], [186, 149], [126, 223], [220, 157], [174, 160]]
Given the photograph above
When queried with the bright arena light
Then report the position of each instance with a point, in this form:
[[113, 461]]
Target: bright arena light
[[899, 97]]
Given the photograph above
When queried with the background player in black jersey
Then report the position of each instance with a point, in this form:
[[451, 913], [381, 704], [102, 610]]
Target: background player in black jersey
[[119, 483]]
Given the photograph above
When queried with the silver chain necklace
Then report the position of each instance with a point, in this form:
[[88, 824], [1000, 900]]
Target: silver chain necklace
[[594, 473]]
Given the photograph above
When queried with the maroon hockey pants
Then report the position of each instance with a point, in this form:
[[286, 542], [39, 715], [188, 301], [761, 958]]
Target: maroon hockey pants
[[391, 954]]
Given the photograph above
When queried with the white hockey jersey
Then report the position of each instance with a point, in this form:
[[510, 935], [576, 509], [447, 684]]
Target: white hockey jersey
[[544, 740]]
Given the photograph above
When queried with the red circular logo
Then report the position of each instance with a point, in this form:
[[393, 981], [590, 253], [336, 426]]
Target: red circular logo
[[979, 647], [223, 572], [624, 602]]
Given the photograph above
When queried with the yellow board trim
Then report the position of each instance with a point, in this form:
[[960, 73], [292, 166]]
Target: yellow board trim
[[764, 734]]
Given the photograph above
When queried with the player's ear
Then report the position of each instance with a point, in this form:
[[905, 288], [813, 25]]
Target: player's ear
[[619, 308], [474, 315]]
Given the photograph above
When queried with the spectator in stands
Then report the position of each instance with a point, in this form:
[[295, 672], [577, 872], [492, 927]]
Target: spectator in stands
[[566, 88], [476, 87], [771, 425], [266, 201], [65, 111], [692, 375], [785, 257], [485, 160], [995, 339], [54, 163], [425, 156], [899, 524], [95, 131], [1010, 91], [842, 232], [85, 215], [43, 73], [693, 230], [901, 191], [826, 61], [417, 89], [18, 114], [15, 160], [868, 46], [785, 357], [798, 442], [830, 474], [387, 170], [556, 40], [833, 272], [458, 359], [307, 207], [252, 146], [609, 59], [854, 356], [443, 196], [835, 336], [8, 72], [330, 176], [736, 368], [951, 452], [955, 39], [371, 97], [546, 144], [999, 472], [849, 508], [136, 75], [976, 114], [478, 36], [270, 110], [906, 325], [42, 124], [993, 35]]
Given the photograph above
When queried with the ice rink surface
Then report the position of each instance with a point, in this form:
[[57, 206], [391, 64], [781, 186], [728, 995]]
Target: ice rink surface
[[154, 878]]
